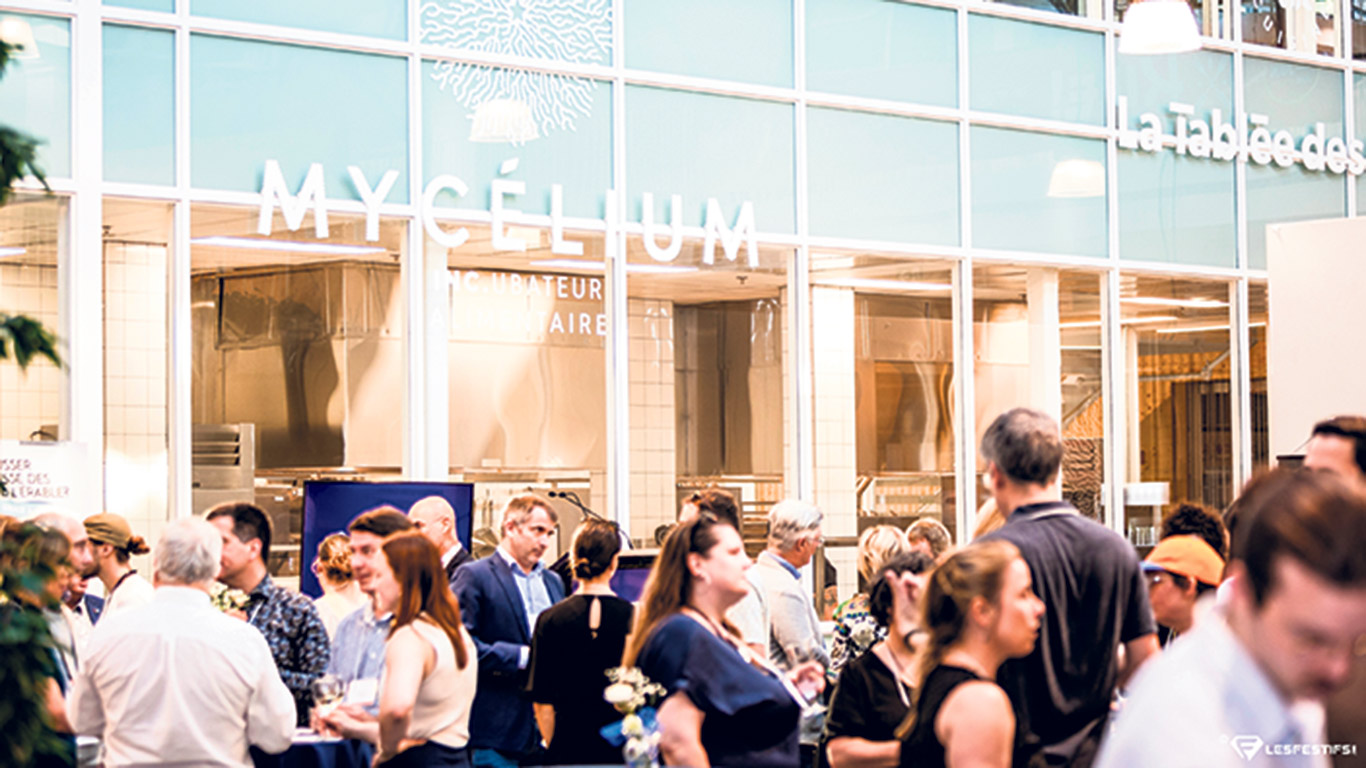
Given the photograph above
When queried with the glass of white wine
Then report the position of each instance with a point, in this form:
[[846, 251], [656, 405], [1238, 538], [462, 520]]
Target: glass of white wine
[[327, 694]]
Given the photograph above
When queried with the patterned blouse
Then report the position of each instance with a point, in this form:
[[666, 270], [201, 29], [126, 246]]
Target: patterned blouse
[[296, 636], [855, 632]]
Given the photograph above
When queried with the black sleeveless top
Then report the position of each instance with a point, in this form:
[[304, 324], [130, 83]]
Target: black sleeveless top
[[921, 748]]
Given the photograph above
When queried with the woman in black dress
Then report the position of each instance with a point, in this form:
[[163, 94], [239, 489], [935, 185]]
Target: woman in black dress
[[980, 609], [576, 641], [873, 694], [725, 706]]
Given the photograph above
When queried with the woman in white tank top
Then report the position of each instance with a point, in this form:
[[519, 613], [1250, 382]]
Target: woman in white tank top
[[430, 666]]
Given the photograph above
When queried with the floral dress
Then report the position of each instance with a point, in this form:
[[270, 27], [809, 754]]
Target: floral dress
[[855, 632]]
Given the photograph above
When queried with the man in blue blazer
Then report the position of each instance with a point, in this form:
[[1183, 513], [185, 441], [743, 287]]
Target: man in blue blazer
[[500, 597]]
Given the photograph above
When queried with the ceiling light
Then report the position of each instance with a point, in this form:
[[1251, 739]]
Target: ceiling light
[[291, 246], [1077, 178], [503, 121], [1154, 301], [1159, 26], [589, 265], [12, 252], [884, 285], [19, 34]]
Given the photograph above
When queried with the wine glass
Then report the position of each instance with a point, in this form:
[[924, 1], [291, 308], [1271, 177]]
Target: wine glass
[[327, 694]]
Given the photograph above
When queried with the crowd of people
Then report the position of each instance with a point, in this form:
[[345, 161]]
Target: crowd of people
[[1045, 641]]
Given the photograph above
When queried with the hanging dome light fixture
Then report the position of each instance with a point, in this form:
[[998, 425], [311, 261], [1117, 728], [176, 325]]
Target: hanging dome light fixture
[[1159, 26]]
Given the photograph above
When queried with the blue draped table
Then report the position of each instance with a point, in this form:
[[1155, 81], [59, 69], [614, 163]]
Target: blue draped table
[[312, 752]]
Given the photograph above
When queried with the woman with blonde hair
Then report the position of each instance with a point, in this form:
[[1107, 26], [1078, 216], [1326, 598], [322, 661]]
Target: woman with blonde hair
[[979, 610], [855, 628], [341, 593]]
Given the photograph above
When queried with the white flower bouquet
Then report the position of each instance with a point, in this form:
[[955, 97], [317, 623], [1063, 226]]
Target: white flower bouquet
[[634, 696], [226, 599]]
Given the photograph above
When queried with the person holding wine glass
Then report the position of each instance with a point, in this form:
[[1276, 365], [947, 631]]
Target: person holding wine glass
[[430, 672], [725, 705]]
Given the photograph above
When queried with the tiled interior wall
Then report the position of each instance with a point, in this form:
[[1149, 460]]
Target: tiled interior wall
[[29, 399], [652, 432], [832, 364], [135, 352]]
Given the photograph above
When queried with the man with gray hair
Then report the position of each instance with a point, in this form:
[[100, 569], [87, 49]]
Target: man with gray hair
[[176, 682], [1092, 586], [794, 630]]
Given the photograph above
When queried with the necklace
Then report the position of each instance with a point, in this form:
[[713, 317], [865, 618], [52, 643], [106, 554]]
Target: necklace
[[898, 673]]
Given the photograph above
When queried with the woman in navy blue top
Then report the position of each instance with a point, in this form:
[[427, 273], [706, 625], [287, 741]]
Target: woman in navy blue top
[[725, 707]]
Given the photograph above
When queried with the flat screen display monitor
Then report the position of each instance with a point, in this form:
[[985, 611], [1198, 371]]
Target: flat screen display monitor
[[633, 568], [331, 505]]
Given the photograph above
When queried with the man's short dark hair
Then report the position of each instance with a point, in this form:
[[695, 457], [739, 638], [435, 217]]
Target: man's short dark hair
[[1189, 519], [1314, 518], [1025, 445], [382, 522], [248, 522], [1351, 428]]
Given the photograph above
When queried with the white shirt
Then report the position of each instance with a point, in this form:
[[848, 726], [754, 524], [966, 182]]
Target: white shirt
[[1206, 703], [175, 682], [132, 592], [448, 554]]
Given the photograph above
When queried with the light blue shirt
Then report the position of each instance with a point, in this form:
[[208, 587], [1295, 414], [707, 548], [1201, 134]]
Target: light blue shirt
[[358, 647], [1206, 702], [535, 595]]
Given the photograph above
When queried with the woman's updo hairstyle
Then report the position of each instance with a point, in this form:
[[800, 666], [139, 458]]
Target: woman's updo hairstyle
[[334, 558], [596, 542]]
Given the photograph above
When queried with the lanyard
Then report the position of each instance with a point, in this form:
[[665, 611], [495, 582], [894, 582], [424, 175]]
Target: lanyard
[[750, 657]]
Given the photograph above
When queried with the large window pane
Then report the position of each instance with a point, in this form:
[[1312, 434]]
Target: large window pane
[[556, 130], [879, 177], [882, 336], [1295, 98], [1038, 192], [139, 105], [30, 230], [35, 93], [1359, 102], [253, 101], [702, 146], [1176, 336], [298, 359], [527, 367], [1176, 208], [882, 50], [1064, 79], [750, 41], [136, 352], [372, 18], [707, 379], [1036, 343]]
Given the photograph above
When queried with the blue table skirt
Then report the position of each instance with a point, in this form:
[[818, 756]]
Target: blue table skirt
[[348, 753]]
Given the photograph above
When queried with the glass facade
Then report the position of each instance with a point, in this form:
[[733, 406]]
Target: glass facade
[[785, 248]]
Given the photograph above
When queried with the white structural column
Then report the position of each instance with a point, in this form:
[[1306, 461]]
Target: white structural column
[[618, 369], [800, 474], [80, 263], [180, 347], [1114, 357], [965, 448], [1045, 342], [1240, 381]]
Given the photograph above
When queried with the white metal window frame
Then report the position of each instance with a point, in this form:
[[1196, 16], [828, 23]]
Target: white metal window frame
[[425, 406]]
